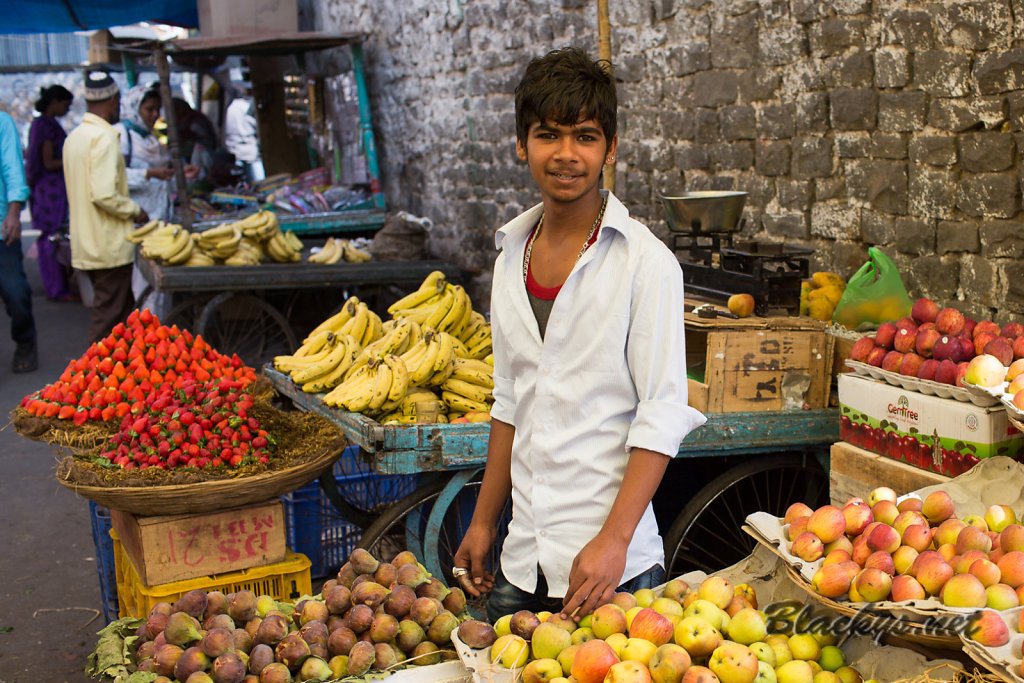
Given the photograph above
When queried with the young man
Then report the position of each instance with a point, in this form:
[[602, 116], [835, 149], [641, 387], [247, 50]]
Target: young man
[[589, 373], [100, 209]]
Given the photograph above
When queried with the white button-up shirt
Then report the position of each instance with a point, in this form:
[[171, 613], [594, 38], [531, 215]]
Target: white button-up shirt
[[608, 376]]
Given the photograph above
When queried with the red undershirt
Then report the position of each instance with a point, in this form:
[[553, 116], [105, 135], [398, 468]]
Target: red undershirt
[[546, 293]]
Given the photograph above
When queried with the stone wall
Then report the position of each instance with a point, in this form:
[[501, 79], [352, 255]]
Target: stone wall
[[851, 123]]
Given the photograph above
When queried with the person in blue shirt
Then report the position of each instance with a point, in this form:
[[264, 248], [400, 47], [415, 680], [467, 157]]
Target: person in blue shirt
[[14, 289]]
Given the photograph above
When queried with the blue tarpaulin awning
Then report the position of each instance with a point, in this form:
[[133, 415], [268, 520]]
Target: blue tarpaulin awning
[[55, 16]]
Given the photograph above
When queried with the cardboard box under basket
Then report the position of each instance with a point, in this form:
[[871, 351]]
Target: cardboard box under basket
[[855, 472], [756, 364], [175, 548], [939, 434]]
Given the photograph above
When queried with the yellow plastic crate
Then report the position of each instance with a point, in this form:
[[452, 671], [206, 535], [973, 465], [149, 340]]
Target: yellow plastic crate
[[285, 581]]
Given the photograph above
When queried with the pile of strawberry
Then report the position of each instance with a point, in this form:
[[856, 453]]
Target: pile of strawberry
[[179, 401]]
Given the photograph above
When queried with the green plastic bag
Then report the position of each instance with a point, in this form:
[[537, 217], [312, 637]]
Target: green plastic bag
[[874, 294]]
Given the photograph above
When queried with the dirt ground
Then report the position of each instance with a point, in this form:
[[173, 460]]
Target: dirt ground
[[49, 587]]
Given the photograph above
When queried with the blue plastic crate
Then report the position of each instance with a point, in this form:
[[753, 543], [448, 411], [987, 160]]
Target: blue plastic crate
[[104, 559], [318, 531]]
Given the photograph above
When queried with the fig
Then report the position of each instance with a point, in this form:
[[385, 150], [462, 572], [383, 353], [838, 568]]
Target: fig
[[166, 658], [363, 563], [410, 634], [197, 677], [272, 629], [217, 641], [384, 656], [361, 578], [253, 625], [315, 669], [425, 610], [359, 618], [399, 601], [360, 658], [159, 641], [251, 678], [338, 599], [145, 651], [216, 603], [181, 629], [156, 623], [290, 651], [314, 632], [219, 621], [319, 650], [340, 641], [243, 640], [386, 574], [242, 606], [449, 655], [228, 668], [149, 666], [455, 601], [328, 585], [432, 588], [312, 610], [440, 631], [477, 634], [276, 673], [334, 622], [383, 628], [191, 660], [264, 604], [425, 653], [404, 557], [411, 575], [161, 608], [192, 603], [346, 575], [523, 623], [260, 657]]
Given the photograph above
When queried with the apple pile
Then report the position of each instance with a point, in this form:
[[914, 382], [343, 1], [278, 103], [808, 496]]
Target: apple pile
[[708, 634], [937, 344], [883, 550]]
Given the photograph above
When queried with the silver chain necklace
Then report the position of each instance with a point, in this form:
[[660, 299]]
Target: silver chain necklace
[[586, 243]]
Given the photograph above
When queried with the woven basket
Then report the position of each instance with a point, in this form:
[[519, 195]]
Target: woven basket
[[204, 496], [900, 629]]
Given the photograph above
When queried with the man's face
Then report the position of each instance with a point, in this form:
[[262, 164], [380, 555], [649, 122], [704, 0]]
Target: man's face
[[566, 161], [113, 113]]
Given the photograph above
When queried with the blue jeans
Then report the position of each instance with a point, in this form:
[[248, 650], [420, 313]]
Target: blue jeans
[[16, 293], [505, 598]]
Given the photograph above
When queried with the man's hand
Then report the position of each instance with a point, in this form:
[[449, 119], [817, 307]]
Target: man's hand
[[141, 217], [160, 173], [472, 555], [595, 574], [12, 223]]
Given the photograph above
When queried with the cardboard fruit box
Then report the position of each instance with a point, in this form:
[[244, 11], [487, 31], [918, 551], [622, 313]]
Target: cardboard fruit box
[[938, 434]]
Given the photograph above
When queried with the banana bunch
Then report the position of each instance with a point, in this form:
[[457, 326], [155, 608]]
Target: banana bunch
[[329, 371], [478, 345], [354, 254], [378, 386], [398, 336], [314, 348], [248, 253], [419, 405], [331, 252], [259, 226], [433, 285], [170, 244], [430, 361], [219, 242], [283, 247], [136, 235], [449, 310], [199, 258], [469, 387]]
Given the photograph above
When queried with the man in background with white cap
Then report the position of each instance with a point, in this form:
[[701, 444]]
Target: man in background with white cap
[[100, 208]]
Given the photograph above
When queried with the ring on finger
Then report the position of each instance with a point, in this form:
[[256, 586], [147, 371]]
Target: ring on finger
[[458, 572]]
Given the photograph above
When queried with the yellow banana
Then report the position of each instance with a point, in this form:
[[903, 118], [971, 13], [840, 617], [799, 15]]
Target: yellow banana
[[335, 322], [425, 368], [474, 371], [475, 321], [414, 354], [374, 329], [461, 403], [482, 334], [467, 313], [470, 391], [433, 284], [397, 418], [349, 389], [460, 349], [399, 377], [446, 354], [383, 379], [313, 343], [324, 366], [136, 235], [357, 325], [335, 376], [489, 359], [441, 309], [454, 315], [415, 334], [292, 363]]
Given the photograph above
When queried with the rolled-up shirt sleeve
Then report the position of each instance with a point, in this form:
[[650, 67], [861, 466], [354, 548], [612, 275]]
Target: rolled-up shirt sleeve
[[103, 172], [656, 354], [504, 405], [11, 165]]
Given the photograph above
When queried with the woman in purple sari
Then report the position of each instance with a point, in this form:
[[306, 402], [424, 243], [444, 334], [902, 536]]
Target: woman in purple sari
[[45, 174]]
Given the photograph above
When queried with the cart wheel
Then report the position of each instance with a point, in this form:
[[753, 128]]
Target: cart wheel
[[186, 314], [706, 535], [410, 524], [246, 325]]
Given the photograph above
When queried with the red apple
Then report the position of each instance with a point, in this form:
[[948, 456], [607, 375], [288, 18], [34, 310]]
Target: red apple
[[927, 369], [1012, 330], [926, 340], [949, 321], [885, 335], [650, 625], [988, 628], [924, 311], [911, 364], [946, 372], [946, 348], [1018, 347], [892, 361], [876, 355], [969, 325], [981, 340], [905, 338], [861, 348], [1002, 349], [592, 661]]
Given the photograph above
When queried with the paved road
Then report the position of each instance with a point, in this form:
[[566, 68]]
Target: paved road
[[49, 591]]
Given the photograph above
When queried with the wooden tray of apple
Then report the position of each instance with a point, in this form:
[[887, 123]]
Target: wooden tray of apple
[[905, 571]]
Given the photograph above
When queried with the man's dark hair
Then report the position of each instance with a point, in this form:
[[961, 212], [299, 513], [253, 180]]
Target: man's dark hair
[[566, 86]]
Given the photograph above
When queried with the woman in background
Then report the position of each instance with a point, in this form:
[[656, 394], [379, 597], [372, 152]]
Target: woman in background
[[48, 202]]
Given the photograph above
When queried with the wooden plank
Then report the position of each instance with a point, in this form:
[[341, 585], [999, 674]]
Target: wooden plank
[[855, 472], [697, 393], [178, 547], [762, 431]]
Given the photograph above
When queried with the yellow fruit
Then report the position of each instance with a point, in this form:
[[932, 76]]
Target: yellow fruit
[[830, 292], [820, 309], [825, 279]]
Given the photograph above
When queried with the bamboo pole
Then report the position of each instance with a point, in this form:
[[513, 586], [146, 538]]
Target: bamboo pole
[[163, 70], [604, 51]]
